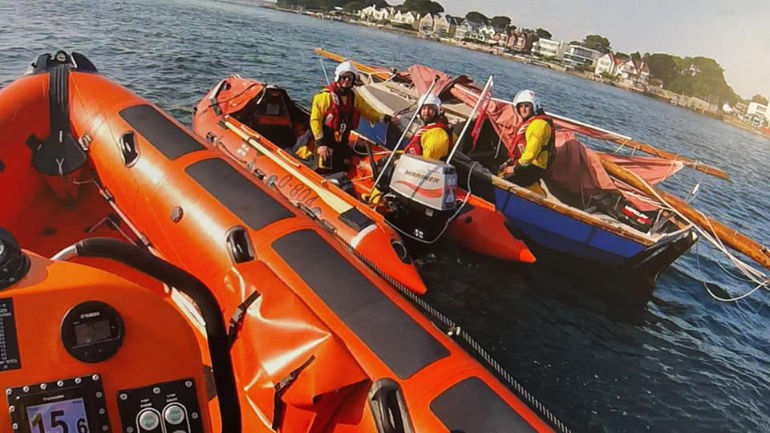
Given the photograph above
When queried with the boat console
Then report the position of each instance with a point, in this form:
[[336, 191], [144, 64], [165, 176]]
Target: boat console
[[85, 351]]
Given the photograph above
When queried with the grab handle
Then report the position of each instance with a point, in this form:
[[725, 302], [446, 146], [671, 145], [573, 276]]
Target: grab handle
[[128, 149], [389, 408], [239, 245]]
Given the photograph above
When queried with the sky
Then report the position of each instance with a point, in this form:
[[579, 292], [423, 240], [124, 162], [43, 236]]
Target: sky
[[735, 34]]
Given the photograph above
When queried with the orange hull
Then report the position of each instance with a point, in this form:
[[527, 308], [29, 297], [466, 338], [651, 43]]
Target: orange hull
[[366, 232], [323, 343], [482, 230]]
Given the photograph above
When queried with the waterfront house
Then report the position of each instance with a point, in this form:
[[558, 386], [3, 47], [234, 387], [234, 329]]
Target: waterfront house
[[406, 18], [635, 71], [441, 24], [469, 30], [521, 41], [627, 70], [426, 23], [501, 36], [606, 64], [492, 35], [446, 25], [757, 109], [372, 14], [488, 30], [580, 57], [463, 30], [549, 49]]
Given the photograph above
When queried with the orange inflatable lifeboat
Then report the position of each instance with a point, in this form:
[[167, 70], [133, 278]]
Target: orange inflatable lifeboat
[[360, 228], [258, 126], [319, 341]]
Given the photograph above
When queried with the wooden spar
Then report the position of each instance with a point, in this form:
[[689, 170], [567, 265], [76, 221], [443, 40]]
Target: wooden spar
[[646, 148], [728, 236], [363, 68], [695, 165], [329, 197]]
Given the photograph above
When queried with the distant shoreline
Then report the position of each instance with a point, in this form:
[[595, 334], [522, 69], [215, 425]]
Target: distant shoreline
[[500, 52]]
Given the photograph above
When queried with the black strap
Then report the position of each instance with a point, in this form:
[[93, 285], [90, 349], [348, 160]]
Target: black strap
[[236, 321], [59, 154], [280, 389]]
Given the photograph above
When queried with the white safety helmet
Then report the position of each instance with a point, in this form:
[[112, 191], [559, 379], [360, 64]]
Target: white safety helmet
[[430, 99], [527, 96], [343, 68]]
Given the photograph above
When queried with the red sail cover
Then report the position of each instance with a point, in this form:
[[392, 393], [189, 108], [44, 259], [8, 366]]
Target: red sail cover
[[575, 168], [422, 77]]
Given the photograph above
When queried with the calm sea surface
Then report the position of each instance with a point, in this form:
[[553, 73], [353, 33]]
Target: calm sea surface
[[684, 363]]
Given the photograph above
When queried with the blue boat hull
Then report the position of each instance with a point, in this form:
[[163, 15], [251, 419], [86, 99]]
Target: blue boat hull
[[555, 231]]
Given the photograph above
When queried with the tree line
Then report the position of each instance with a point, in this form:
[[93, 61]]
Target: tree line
[[701, 77]]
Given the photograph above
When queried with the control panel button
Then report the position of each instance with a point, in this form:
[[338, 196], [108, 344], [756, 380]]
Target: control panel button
[[174, 414], [148, 420]]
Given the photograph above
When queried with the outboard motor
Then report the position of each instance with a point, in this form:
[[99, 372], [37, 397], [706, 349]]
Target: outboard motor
[[423, 196]]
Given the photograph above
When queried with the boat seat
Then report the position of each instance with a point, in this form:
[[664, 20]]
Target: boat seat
[[272, 119]]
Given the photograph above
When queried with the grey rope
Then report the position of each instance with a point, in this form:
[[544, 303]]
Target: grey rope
[[534, 403]]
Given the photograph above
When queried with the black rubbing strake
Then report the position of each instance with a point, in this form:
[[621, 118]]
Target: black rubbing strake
[[237, 193], [393, 336], [472, 407], [163, 134]]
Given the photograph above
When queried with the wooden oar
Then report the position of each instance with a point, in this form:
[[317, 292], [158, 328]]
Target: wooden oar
[[728, 236], [363, 68], [327, 196]]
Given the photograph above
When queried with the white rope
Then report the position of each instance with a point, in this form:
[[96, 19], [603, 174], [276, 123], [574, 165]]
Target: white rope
[[754, 275]]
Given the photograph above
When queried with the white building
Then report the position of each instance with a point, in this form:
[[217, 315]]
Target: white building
[[409, 18], [426, 24], [549, 49], [606, 64], [579, 56], [371, 13], [755, 108], [469, 30]]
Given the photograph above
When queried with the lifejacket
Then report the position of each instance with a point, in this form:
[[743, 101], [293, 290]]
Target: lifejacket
[[340, 118], [415, 144], [520, 140]]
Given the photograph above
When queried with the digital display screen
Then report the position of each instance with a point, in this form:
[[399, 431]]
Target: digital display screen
[[92, 332], [57, 417]]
